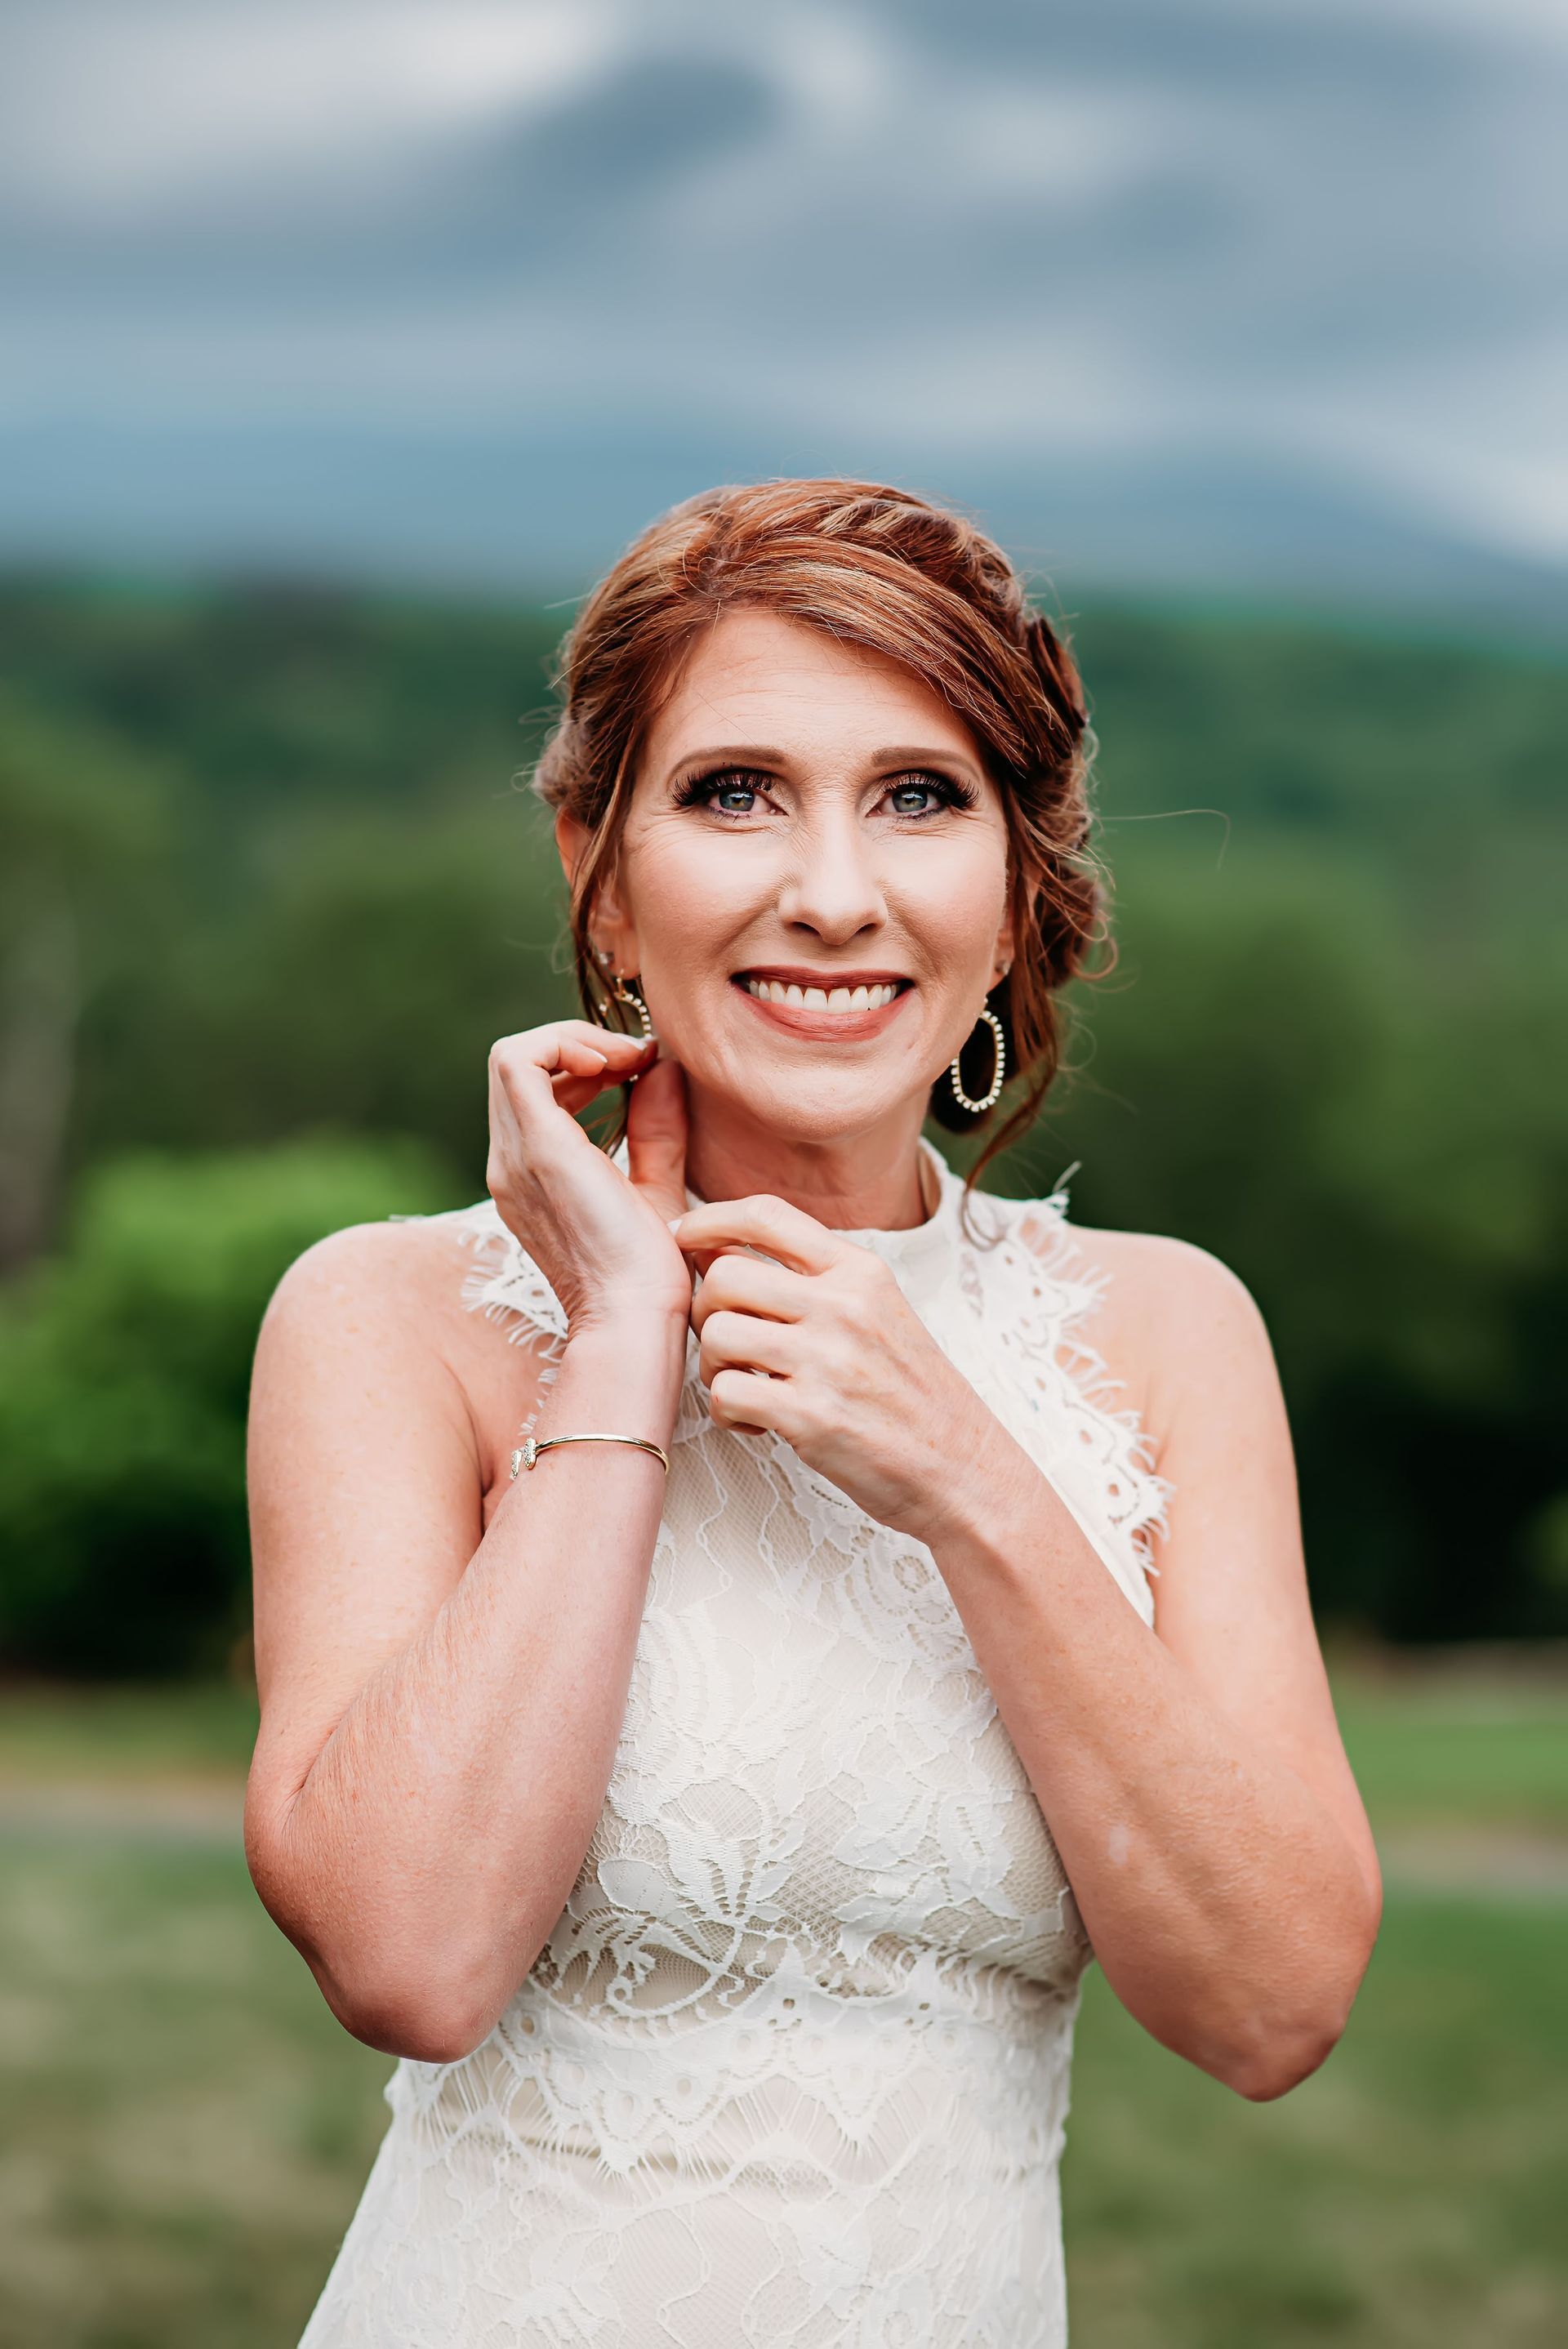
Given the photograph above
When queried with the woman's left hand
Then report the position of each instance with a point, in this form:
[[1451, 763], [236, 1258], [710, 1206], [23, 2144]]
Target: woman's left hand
[[822, 1349]]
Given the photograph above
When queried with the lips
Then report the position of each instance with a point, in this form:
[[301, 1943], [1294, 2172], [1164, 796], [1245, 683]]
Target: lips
[[792, 1007], [831, 995]]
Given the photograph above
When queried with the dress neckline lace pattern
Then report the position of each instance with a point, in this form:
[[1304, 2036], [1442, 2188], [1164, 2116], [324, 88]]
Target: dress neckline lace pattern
[[792, 2068]]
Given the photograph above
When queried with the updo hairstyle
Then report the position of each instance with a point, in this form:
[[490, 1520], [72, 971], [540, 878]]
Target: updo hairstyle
[[921, 586]]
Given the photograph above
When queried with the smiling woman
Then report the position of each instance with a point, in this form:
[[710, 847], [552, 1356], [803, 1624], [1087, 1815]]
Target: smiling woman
[[881, 678], [716, 1801], [834, 824]]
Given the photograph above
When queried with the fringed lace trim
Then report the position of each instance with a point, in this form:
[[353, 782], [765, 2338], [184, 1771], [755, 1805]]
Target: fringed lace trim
[[1129, 1470], [505, 1285]]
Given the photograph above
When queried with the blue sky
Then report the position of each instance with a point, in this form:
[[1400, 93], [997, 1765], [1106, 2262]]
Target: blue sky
[[1231, 294]]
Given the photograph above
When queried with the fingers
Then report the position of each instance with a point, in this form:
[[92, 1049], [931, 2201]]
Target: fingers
[[579, 1076], [740, 1341], [566, 1065], [763, 1222], [575, 1053], [563, 1043], [749, 1284], [748, 1404]]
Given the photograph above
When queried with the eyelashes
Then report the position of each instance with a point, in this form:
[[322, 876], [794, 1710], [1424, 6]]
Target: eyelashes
[[704, 790]]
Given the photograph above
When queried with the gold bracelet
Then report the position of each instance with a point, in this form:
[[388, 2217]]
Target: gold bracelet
[[528, 1451]]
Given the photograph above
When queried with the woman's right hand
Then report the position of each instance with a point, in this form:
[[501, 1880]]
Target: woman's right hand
[[600, 1240]]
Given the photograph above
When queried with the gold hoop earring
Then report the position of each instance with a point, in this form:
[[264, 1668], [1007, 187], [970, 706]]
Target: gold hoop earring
[[625, 993], [990, 1099]]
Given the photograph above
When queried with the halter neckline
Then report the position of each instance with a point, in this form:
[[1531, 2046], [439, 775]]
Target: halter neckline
[[921, 1255]]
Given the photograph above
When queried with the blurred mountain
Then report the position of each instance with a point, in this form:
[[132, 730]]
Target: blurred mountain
[[538, 511], [1260, 300]]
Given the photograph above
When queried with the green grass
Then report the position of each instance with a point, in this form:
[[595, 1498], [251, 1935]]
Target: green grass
[[1433, 1747], [184, 2129], [73, 1733], [1468, 1752], [1409, 2194]]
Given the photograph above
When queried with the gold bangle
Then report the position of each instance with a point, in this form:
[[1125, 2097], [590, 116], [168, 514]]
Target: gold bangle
[[528, 1451]]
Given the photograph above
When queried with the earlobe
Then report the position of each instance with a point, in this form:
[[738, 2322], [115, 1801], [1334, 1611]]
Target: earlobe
[[1003, 959], [1006, 951], [612, 942]]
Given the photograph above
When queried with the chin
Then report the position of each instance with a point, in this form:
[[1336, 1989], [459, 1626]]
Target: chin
[[808, 1109]]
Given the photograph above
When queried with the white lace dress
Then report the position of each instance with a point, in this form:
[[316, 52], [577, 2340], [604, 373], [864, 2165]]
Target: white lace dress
[[792, 2068]]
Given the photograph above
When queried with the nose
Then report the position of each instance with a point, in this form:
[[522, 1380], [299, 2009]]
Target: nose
[[831, 885]]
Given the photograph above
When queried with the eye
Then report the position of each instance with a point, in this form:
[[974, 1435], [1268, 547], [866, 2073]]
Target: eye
[[736, 791], [720, 790], [944, 789]]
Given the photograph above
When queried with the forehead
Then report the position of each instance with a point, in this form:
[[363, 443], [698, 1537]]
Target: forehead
[[756, 677]]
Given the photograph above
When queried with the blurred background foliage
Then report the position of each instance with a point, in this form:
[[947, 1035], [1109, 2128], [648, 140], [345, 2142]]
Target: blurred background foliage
[[1246, 322], [273, 883]]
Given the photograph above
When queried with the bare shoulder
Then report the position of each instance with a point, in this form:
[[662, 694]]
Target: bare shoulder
[[1170, 1315], [402, 1266], [395, 1290], [366, 1465], [397, 1282]]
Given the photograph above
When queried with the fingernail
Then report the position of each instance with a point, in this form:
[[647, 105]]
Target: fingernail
[[676, 1222]]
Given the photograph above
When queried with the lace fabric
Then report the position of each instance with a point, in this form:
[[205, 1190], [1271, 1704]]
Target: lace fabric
[[793, 2066]]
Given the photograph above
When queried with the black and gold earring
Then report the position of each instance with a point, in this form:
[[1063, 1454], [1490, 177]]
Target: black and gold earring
[[987, 1101], [625, 993]]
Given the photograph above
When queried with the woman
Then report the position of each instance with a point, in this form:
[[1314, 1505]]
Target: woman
[[716, 1815]]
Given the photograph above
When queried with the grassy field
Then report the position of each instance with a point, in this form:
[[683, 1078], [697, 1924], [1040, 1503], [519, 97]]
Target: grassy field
[[184, 2129]]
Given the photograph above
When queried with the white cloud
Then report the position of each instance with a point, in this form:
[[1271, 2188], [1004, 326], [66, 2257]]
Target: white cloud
[[1483, 447], [150, 110], [1332, 231]]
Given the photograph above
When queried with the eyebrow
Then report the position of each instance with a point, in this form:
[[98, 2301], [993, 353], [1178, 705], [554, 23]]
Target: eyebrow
[[760, 754]]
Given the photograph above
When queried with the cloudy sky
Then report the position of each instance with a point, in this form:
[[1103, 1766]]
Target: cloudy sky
[[1221, 290]]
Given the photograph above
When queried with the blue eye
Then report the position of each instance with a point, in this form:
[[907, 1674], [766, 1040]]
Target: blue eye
[[722, 787], [940, 792], [927, 789], [723, 783]]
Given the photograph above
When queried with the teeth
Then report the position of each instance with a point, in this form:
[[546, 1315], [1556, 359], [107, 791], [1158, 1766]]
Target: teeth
[[820, 998]]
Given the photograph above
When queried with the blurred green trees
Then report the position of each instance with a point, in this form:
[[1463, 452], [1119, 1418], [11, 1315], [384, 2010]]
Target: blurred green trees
[[125, 1365], [270, 888]]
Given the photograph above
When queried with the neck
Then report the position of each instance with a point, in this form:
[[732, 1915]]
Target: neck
[[875, 1180]]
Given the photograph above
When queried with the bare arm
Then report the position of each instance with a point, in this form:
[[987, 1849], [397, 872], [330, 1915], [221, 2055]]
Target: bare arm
[[440, 1702], [1192, 1775], [416, 1826]]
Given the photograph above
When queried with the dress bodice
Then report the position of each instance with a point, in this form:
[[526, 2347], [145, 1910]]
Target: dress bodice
[[792, 2068]]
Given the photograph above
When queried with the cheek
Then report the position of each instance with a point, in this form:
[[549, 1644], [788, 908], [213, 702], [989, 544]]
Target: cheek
[[954, 904], [686, 894]]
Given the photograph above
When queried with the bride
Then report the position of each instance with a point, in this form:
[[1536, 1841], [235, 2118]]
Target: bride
[[727, 1661]]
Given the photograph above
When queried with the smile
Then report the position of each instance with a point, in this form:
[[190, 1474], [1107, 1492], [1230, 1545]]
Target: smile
[[845, 1013], [819, 998]]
